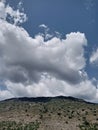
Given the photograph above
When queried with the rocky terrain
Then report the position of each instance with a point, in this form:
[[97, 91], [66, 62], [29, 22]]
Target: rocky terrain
[[48, 113]]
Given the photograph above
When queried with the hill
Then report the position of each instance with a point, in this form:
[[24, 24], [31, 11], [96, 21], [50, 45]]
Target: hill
[[48, 113]]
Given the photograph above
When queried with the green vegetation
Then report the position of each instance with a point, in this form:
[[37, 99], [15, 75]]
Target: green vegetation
[[52, 114], [88, 126], [12, 125]]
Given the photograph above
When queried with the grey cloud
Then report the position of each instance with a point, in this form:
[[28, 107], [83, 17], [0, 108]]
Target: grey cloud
[[26, 58], [39, 67]]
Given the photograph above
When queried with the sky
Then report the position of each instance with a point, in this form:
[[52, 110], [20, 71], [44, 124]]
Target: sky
[[49, 48]]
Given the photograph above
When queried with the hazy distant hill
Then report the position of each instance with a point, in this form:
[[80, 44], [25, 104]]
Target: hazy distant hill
[[48, 113]]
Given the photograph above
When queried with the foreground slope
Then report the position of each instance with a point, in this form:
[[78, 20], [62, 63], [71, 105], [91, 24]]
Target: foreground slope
[[47, 113]]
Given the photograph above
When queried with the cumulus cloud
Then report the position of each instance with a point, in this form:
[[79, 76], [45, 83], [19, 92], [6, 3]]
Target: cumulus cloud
[[51, 86], [34, 66], [14, 16], [24, 58]]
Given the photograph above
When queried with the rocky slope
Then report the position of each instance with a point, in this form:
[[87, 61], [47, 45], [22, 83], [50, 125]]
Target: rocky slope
[[48, 113]]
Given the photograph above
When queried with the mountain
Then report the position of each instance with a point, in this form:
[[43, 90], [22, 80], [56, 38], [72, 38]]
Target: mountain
[[48, 113]]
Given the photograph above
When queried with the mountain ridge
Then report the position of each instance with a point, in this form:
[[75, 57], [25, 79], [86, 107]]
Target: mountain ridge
[[48, 113], [46, 99]]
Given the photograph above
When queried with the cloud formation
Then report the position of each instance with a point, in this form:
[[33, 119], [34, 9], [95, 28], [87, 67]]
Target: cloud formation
[[34, 66], [14, 16], [94, 58]]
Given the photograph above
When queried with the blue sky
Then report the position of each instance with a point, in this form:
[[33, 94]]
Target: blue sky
[[75, 22], [64, 16]]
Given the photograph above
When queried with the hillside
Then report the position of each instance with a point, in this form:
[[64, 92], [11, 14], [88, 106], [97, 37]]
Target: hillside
[[48, 113]]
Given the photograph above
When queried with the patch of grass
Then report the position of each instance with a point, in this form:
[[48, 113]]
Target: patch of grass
[[88, 126], [12, 125]]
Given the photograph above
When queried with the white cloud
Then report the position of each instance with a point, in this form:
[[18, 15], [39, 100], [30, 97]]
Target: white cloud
[[94, 58], [14, 16], [2, 10], [4, 94], [46, 34], [51, 86], [38, 67], [27, 58], [43, 26]]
